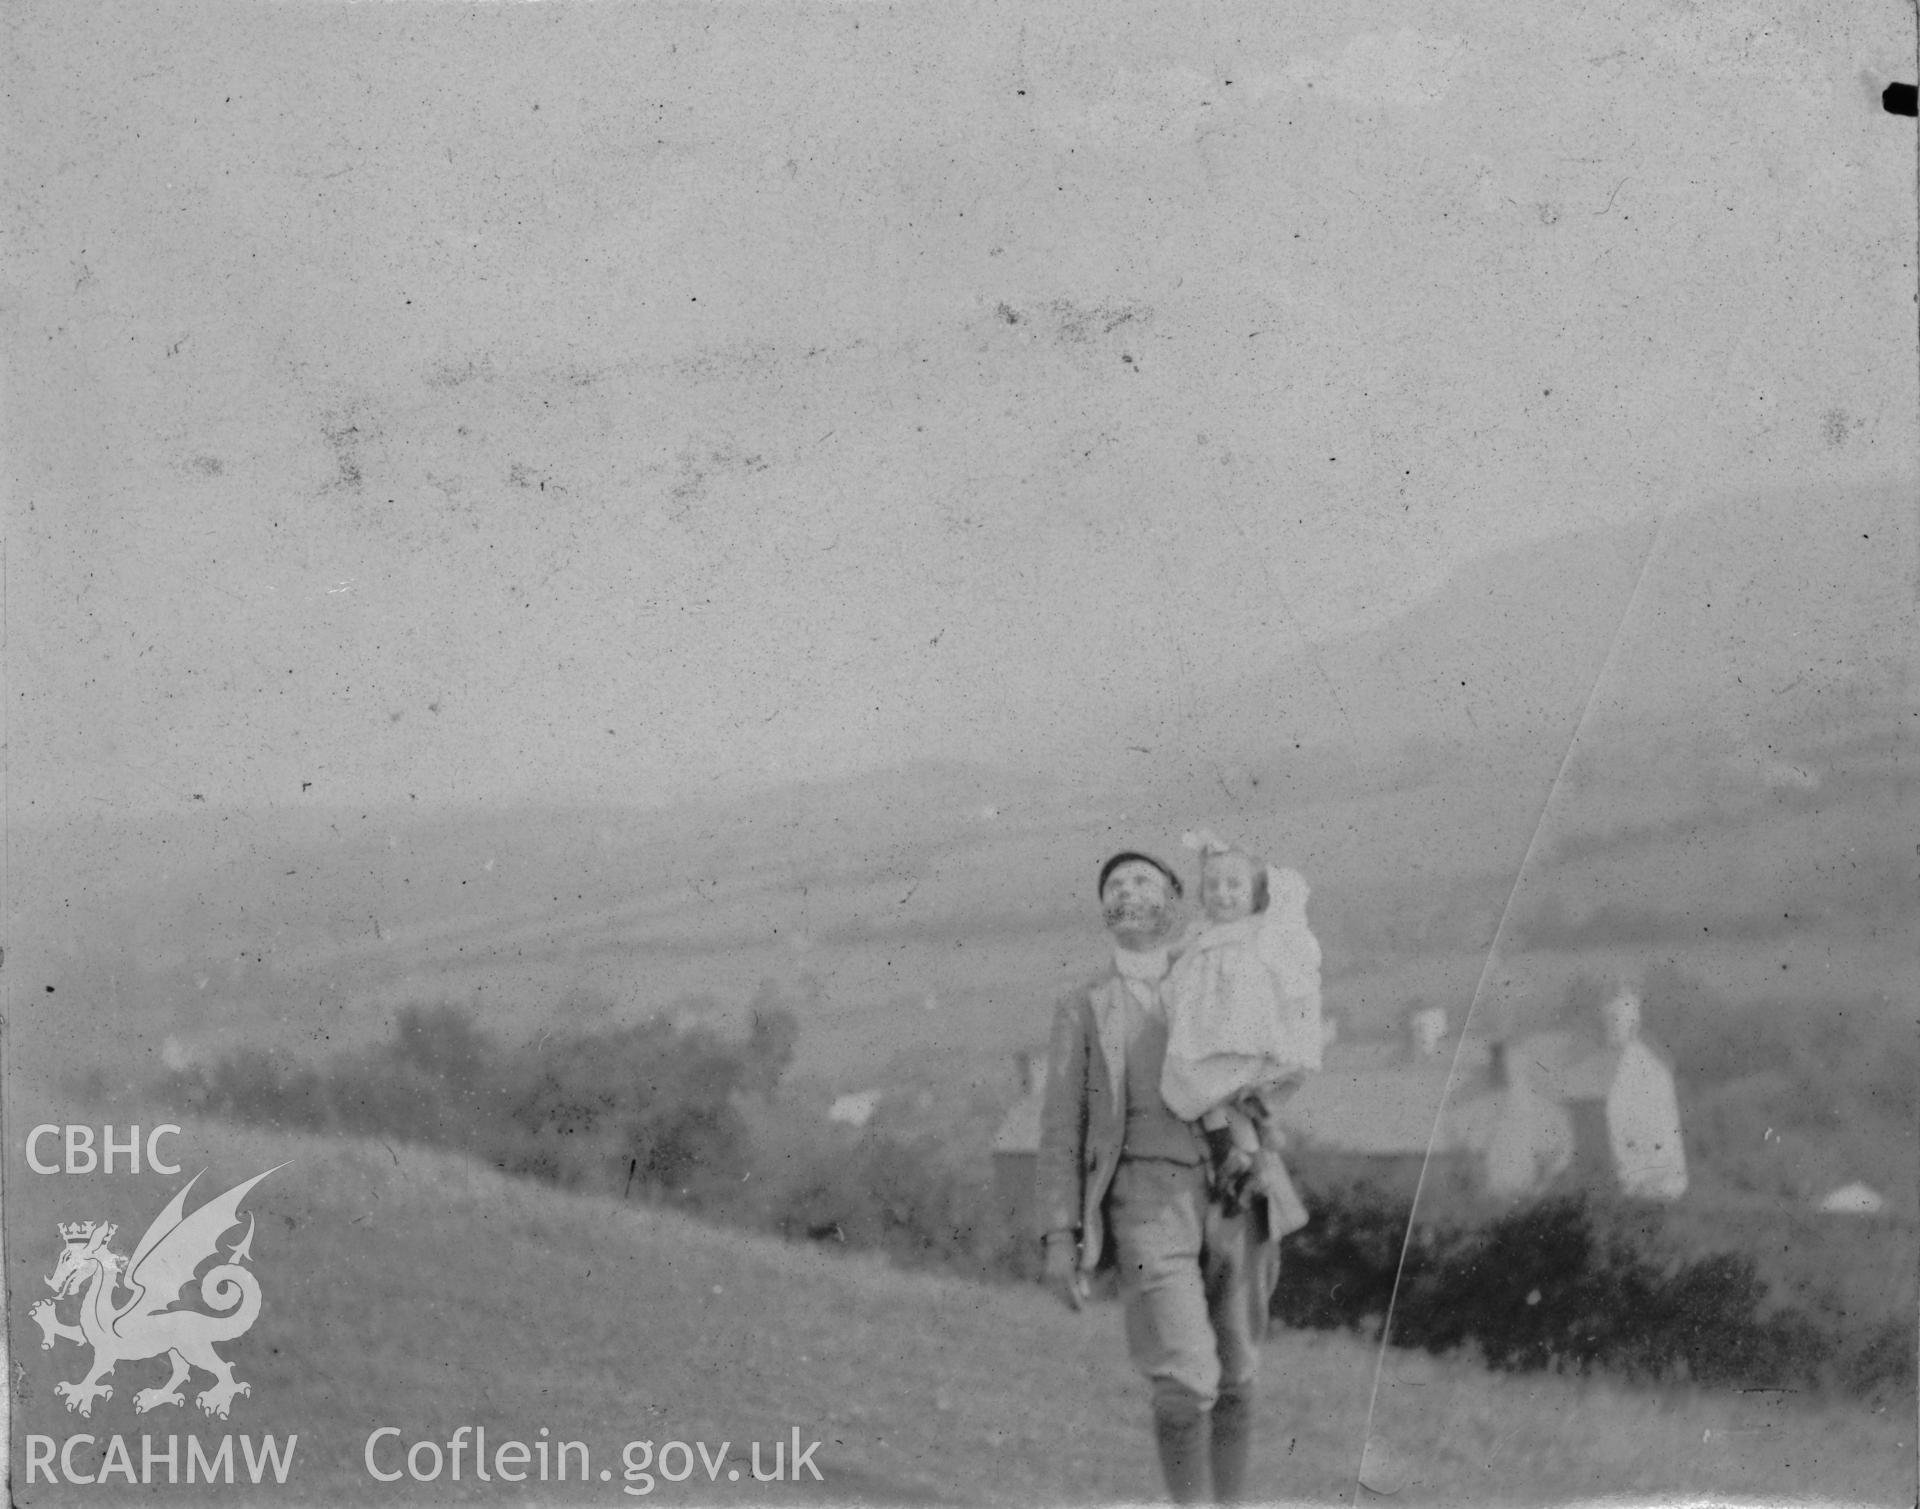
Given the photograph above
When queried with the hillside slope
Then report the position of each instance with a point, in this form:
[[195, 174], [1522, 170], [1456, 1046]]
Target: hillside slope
[[419, 1291]]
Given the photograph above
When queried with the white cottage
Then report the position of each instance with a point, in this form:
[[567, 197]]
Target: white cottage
[[856, 1108], [1610, 1108], [1854, 1199], [1643, 1109]]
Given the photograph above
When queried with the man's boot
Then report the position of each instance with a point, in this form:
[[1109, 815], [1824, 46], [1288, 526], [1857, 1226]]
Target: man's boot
[[1231, 1446], [1180, 1432]]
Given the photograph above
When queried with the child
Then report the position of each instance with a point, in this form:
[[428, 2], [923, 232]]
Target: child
[[1243, 1008]]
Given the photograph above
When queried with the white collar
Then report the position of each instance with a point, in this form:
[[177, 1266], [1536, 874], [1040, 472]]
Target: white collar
[[1150, 966]]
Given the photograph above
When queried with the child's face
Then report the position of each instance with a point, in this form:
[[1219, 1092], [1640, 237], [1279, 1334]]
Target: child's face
[[1226, 887]]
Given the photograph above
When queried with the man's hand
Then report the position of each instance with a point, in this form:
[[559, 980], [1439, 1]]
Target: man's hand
[[1233, 1180], [1063, 1274]]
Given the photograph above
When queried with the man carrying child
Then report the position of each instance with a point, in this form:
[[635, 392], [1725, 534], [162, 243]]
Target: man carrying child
[[1194, 1229]]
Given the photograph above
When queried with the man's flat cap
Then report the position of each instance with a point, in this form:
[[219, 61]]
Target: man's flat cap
[[1130, 856]]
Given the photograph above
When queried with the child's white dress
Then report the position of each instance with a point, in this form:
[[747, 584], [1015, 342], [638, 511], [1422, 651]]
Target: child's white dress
[[1243, 1003]]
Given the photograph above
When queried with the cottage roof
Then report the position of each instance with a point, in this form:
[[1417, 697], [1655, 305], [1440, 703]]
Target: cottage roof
[[1397, 1109], [1566, 1065], [1366, 1053], [1370, 1098]]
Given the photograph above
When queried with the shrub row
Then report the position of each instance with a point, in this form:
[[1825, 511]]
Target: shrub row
[[1580, 1284], [649, 1109], [651, 1112]]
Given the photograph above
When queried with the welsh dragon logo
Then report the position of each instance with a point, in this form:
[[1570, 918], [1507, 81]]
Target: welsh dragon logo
[[145, 1324]]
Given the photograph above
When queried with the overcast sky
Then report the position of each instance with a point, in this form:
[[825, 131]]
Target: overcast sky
[[642, 402]]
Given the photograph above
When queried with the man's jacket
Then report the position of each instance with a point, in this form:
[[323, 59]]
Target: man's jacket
[[1083, 1119]]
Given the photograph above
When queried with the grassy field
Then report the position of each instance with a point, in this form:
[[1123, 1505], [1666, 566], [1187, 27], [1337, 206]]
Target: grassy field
[[420, 1291]]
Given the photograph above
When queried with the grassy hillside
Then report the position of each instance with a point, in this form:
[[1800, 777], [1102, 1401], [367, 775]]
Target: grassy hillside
[[417, 1290]]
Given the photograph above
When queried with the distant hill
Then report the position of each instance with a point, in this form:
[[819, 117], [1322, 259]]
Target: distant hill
[[1744, 739], [1706, 620]]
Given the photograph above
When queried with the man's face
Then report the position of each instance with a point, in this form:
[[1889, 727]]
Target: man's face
[[1135, 902]]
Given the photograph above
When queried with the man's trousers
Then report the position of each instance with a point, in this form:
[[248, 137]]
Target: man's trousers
[[1195, 1283]]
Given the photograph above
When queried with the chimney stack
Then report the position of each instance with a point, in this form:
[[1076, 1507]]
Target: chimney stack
[[1427, 1029]]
